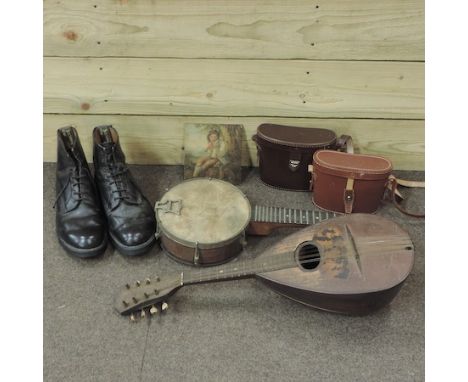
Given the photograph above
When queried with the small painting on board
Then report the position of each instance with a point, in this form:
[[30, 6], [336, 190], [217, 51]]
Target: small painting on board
[[213, 151]]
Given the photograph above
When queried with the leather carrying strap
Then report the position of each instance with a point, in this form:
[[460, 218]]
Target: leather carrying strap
[[393, 183], [254, 138], [345, 143], [408, 183]]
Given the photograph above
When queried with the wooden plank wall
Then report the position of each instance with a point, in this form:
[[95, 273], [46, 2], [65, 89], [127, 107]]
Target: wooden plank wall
[[148, 67]]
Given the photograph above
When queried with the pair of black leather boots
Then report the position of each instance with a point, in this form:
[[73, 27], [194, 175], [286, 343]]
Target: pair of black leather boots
[[89, 211]]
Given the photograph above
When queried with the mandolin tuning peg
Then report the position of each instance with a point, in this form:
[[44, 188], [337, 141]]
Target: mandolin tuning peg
[[164, 306], [143, 313], [132, 317], [153, 310]]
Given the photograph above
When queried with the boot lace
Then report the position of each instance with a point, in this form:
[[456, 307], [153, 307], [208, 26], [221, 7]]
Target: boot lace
[[75, 181], [117, 178]]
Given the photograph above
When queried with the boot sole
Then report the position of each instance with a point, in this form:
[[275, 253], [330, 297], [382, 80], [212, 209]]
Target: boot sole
[[84, 253], [132, 250]]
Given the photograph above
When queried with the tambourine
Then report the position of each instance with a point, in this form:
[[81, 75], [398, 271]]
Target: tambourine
[[202, 221]]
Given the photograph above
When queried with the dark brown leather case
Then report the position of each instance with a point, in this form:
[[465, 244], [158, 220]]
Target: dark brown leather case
[[348, 183], [285, 152]]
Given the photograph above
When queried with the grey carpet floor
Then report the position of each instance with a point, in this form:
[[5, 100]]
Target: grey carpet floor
[[231, 331]]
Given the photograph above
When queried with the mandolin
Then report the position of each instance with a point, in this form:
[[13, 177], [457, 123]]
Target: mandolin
[[352, 264]]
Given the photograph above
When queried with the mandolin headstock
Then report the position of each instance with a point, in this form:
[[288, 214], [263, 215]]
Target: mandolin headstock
[[147, 297]]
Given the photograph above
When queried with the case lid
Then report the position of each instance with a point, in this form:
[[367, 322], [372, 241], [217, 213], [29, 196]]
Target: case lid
[[356, 166], [294, 136]]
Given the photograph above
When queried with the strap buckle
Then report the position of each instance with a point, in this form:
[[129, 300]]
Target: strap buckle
[[348, 196]]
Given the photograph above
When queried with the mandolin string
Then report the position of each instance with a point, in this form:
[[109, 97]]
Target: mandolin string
[[271, 259], [323, 259], [237, 269], [384, 237], [361, 251], [376, 246], [284, 260], [283, 263], [317, 257], [270, 267], [388, 242], [278, 261], [360, 243], [366, 250], [383, 250]]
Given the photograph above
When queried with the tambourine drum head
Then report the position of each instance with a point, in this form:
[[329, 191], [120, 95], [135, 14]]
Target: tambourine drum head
[[213, 212]]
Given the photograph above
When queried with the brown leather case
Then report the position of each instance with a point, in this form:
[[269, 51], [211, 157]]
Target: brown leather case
[[348, 183], [285, 152]]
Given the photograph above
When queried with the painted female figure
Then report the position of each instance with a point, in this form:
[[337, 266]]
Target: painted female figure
[[215, 155]]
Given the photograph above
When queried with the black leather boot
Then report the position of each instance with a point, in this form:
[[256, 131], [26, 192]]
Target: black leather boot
[[80, 222], [130, 217]]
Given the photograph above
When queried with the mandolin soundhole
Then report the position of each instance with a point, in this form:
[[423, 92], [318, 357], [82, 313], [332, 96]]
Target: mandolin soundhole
[[308, 256]]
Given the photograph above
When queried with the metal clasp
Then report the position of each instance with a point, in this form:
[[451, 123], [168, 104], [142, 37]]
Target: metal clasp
[[295, 158], [196, 255], [293, 164], [169, 206]]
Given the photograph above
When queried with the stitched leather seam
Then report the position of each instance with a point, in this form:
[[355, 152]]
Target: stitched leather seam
[[339, 167], [297, 144], [356, 169]]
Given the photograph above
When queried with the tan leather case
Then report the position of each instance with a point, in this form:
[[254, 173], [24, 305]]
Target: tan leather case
[[348, 183]]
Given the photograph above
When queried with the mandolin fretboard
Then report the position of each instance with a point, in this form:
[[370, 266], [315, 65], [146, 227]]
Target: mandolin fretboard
[[284, 215]]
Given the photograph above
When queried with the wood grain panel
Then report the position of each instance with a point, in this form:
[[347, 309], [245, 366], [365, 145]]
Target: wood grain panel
[[159, 139], [292, 88], [332, 29]]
